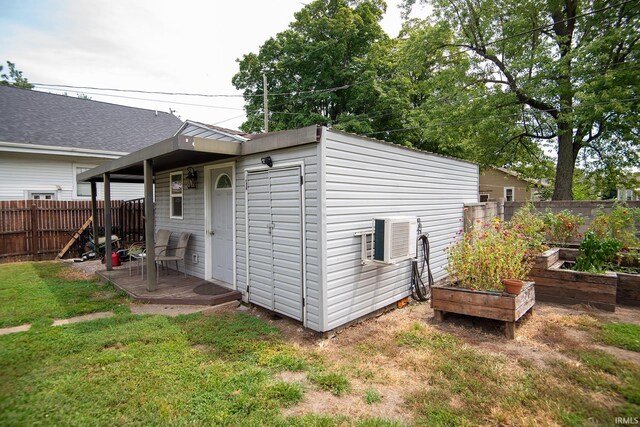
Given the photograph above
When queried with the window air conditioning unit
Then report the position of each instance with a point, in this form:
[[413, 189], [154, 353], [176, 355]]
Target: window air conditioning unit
[[394, 239]]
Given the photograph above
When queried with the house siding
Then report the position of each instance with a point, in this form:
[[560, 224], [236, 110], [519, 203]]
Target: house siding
[[193, 218], [307, 154], [365, 179], [493, 182], [21, 173]]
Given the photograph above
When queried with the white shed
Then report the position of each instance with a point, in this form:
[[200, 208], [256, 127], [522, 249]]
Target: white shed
[[280, 216]]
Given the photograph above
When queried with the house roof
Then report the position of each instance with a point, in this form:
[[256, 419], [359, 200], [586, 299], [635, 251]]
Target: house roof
[[202, 130], [45, 119], [181, 150]]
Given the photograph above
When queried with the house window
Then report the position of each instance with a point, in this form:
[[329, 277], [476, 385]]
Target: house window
[[42, 195], [82, 189], [484, 198], [509, 194], [223, 181], [176, 195]]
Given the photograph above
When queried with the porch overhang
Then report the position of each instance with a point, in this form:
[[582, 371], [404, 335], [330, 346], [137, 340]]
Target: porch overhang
[[172, 153]]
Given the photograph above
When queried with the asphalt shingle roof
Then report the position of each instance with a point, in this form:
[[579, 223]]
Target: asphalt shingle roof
[[32, 117]]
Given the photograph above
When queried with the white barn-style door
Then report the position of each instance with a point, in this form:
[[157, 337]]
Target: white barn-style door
[[274, 230]]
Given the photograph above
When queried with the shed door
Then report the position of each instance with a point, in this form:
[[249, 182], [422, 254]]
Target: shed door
[[274, 219]]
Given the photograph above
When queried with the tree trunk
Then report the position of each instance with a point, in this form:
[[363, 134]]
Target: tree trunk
[[563, 189]]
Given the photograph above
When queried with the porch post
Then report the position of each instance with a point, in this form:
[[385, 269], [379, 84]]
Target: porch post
[[107, 220], [94, 214], [149, 225]]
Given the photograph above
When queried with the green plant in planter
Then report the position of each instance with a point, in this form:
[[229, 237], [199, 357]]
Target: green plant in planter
[[596, 254], [562, 226], [619, 224], [528, 222], [486, 255]]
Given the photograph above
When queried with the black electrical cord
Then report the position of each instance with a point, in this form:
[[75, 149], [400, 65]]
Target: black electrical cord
[[419, 290]]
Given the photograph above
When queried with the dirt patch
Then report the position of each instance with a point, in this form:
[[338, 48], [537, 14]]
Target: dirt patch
[[391, 405], [292, 377], [73, 274]]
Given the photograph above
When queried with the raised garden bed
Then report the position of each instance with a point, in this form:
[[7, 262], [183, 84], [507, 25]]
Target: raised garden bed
[[491, 305], [557, 283]]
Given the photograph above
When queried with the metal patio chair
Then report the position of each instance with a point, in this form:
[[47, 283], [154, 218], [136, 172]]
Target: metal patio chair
[[178, 253]]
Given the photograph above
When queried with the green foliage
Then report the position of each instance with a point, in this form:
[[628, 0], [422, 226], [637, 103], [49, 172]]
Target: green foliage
[[334, 382], [14, 78], [41, 291], [329, 45], [528, 221], [623, 335], [618, 224], [596, 254], [372, 396], [487, 254], [563, 226], [465, 82]]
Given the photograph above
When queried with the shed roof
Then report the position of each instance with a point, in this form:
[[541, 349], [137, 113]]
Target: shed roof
[[40, 118]]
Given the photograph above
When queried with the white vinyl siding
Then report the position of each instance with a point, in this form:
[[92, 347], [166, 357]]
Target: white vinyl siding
[[192, 219], [307, 154], [21, 173], [365, 179]]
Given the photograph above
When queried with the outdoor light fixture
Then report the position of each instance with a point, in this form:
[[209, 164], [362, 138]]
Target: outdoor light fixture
[[192, 178], [267, 161]]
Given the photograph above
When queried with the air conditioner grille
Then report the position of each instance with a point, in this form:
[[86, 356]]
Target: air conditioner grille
[[400, 242]]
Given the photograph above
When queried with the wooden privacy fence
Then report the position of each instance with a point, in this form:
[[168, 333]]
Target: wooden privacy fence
[[38, 229]]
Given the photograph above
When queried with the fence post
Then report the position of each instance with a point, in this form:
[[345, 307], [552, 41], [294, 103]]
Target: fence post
[[34, 232]]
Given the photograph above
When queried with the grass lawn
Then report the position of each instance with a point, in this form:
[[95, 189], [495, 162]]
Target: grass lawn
[[234, 368], [41, 291]]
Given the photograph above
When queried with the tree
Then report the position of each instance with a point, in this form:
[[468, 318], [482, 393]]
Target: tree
[[14, 78], [568, 66], [319, 71]]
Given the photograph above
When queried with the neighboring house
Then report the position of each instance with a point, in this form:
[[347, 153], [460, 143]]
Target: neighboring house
[[501, 183], [280, 217], [632, 193], [47, 139]]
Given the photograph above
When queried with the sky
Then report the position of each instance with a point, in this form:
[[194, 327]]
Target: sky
[[171, 46]]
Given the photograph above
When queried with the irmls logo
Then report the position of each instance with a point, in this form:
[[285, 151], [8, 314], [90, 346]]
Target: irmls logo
[[627, 420]]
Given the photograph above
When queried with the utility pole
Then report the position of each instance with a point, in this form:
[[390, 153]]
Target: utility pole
[[266, 102]]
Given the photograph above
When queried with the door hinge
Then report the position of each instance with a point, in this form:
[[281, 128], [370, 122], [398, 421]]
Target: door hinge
[[246, 184], [247, 288], [301, 179], [303, 302]]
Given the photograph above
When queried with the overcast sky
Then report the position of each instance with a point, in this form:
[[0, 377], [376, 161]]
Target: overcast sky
[[156, 45]]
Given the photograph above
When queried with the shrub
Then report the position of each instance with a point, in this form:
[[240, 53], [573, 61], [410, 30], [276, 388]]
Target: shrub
[[487, 254], [528, 221], [562, 226], [619, 224], [595, 254]]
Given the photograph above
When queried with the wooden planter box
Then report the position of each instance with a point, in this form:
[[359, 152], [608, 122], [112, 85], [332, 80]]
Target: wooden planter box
[[491, 305], [601, 290], [628, 291]]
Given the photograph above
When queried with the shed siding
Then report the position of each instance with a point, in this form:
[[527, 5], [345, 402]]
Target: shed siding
[[192, 219], [21, 173], [308, 155], [366, 179]]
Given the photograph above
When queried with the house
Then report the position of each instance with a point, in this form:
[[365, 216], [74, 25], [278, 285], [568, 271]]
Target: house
[[47, 139], [286, 217], [501, 183], [632, 190]]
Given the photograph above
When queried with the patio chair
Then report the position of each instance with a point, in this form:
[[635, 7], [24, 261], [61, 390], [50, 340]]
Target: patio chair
[[178, 254], [136, 251]]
